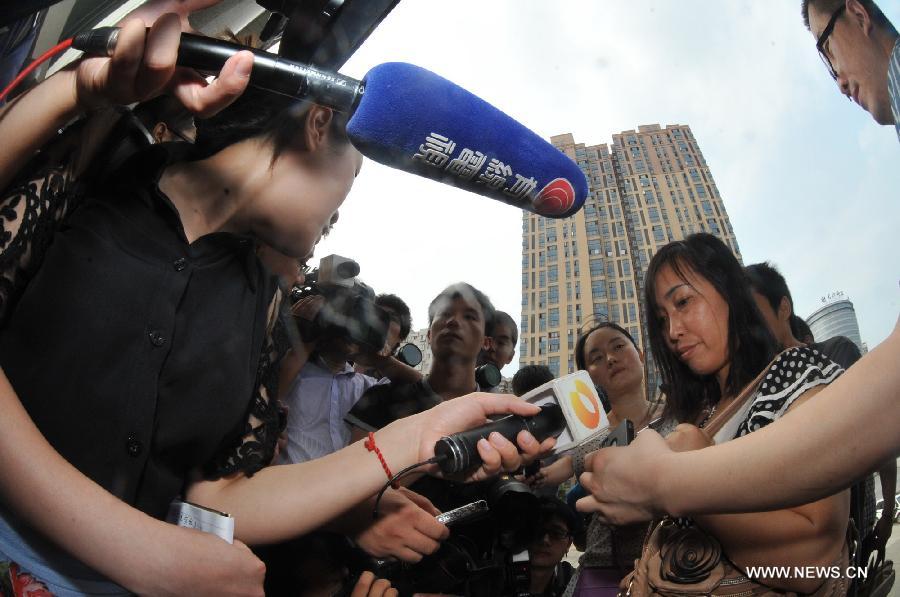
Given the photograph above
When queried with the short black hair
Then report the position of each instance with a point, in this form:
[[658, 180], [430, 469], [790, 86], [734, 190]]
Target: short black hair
[[552, 507], [530, 377], [800, 329], [502, 317], [751, 344], [765, 279], [466, 291], [397, 310], [829, 6]]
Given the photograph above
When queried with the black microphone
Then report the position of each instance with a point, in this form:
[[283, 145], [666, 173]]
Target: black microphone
[[411, 119], [270, 71], [458, 452]]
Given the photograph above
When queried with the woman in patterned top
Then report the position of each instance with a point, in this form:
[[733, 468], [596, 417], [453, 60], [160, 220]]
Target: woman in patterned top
[[710, 341]]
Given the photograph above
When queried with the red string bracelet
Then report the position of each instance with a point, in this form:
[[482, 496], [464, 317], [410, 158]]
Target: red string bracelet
[[371, 447]]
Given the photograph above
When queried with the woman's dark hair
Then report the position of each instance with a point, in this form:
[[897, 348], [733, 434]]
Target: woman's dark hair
[[263, 114], [750, 343], [582, 340]]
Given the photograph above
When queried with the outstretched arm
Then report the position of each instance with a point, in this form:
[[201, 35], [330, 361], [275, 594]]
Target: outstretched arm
[[794, 459], [304, 496]]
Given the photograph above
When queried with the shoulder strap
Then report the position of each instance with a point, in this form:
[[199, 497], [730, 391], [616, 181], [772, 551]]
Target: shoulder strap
[[723, 416]]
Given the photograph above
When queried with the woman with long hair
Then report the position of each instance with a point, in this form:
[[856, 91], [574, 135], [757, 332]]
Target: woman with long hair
[[724, 379], [612, 358]]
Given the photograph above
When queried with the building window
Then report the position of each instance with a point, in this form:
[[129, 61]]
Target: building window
[[542, 280], [593, 247], [598, 289], [554, 318], [653, 214], [613, 291], [542, 323], [553, 364], [524, 325], [554, 295], [569, 314], [658, 234], [591, 228], [601, 311], [596, 267], [553, 274]]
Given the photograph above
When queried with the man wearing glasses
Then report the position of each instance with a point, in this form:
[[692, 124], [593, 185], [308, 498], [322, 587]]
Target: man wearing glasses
[[552, 539], [860, 48]]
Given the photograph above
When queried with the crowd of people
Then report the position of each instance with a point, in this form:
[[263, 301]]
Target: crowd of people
[[176, 366]]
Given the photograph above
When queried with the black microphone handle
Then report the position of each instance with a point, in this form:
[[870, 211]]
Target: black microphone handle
[[270, 71], [459, 452]]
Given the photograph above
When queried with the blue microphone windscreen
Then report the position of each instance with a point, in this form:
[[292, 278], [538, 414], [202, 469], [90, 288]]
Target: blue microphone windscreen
[[412, 119]]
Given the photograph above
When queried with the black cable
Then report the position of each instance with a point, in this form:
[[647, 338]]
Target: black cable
[[398, 476]]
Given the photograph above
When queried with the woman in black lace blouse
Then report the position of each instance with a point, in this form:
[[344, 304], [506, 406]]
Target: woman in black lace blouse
[[137, 343]]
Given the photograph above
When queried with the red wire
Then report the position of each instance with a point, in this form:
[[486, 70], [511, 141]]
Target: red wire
[[27, 71]]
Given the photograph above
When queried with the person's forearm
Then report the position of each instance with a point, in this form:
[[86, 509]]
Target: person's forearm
[[60, 502], [819, 448], [32, 119], [398, 372], [304, 496]]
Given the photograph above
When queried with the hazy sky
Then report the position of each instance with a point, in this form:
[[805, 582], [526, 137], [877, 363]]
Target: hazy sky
[[809, 180]]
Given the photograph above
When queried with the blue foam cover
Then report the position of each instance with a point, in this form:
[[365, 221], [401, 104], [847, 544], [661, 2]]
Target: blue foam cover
[[412, 119]]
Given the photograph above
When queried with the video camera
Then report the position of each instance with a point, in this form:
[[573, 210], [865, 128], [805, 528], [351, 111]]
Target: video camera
[[485, 554], [349, 311]]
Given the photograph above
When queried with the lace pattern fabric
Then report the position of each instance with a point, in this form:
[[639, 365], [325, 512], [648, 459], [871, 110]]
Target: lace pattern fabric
[[31, 211], [256, 446]]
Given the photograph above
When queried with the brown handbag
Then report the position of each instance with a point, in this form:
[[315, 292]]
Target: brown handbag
[[686, 560]]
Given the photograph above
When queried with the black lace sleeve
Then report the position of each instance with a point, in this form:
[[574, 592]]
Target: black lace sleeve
[[31, 211], [255, 448]]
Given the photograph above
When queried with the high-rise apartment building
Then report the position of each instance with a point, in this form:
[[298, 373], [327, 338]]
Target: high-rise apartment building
[[650, 187]]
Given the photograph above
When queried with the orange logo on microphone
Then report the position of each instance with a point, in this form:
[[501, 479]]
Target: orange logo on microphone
[[585, 406]]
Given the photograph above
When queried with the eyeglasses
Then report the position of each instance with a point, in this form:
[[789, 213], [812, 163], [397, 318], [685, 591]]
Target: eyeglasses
[[554, 534], [823, 39]]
